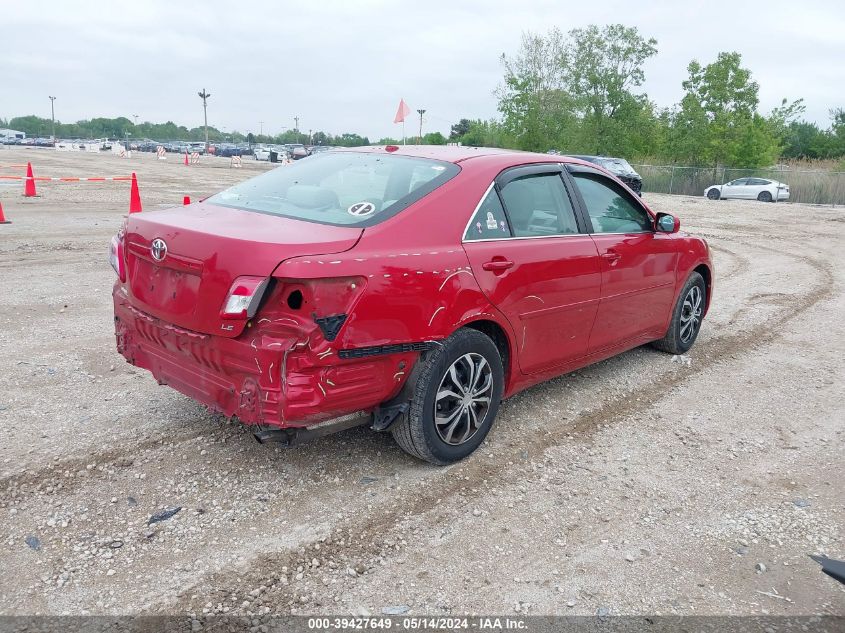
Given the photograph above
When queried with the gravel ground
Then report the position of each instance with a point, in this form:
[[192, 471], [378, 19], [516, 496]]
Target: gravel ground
[[641, 485]]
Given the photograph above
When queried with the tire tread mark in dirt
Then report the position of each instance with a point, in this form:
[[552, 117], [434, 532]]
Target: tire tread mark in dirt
[[218, 586], [53, 474]]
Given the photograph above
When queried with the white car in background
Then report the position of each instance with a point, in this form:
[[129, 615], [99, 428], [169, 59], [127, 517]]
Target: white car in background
[[263, 153], [760, 189]]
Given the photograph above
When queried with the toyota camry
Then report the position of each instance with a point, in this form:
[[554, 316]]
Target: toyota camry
[[408, 288]]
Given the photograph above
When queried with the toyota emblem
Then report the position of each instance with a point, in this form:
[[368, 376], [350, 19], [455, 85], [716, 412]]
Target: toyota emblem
[[158, 249]]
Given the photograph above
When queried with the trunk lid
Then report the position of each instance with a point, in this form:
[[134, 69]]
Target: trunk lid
[[207, 248]]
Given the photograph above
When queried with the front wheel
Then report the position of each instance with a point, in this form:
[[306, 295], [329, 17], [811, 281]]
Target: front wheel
[[686, 317], [764, 196], [714, 194], [455, 399]]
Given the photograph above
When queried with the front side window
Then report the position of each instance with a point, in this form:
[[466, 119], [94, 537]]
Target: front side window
[[489, 221], [538, 206], [340, 188], [610, 208]]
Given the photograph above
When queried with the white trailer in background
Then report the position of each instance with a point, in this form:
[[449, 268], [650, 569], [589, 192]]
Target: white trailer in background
[[6, 134]]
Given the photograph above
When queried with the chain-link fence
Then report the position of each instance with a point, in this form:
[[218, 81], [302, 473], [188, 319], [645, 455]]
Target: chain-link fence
[[812, 187]]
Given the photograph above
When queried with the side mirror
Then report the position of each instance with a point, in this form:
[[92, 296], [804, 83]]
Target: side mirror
[[668, 223]]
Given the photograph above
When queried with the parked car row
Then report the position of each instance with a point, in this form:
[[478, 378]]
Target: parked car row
[[29, 142]]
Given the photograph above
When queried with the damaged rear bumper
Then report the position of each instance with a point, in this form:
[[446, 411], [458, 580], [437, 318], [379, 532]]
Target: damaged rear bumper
[[271, 375]]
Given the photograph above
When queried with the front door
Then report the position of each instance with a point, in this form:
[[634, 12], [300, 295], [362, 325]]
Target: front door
[[637, 263], [736, 189], [532, 260]]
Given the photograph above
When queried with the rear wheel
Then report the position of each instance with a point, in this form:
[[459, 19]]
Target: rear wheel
[[714, 194], [686, 317], [455, 399], [764, 196]]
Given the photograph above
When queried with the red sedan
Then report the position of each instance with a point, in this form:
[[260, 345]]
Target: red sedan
[[412, 288]]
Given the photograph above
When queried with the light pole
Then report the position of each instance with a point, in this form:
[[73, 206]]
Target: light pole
[[296, 127], [53, 117], [204, 96], [135, 116], [421, 112], [261, 128]]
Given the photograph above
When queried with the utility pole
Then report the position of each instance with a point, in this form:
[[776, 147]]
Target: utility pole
[[421, 113], [53, 117], [296, 127], [204, 96]]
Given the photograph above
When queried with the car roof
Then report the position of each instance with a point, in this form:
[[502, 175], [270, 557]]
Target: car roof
[[453, 153]]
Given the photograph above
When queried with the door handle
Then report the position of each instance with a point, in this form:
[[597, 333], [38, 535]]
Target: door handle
[[611, 256], [497, 265]]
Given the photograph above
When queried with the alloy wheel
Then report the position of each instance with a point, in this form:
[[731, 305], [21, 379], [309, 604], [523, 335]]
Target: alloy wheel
[[691, 313], [463, 399]]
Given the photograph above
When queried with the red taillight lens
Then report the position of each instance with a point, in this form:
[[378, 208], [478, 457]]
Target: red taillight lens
[[244, 297], [116, 258]]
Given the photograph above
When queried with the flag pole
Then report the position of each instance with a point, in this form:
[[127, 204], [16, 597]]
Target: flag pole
[[403, 131]]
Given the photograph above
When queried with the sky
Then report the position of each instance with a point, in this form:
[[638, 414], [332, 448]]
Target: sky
[[343, 66]]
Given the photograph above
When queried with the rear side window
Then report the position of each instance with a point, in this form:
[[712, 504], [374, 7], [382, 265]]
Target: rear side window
[[611, 210], [489, 221], [340, 188], [538, 205]]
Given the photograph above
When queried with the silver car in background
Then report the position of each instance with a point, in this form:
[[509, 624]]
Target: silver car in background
[[761, 189]]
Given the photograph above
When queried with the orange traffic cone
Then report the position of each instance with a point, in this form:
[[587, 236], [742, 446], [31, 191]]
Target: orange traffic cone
[[3, 219], [186, 200], [186, 159], [29, 183], [134, 196]]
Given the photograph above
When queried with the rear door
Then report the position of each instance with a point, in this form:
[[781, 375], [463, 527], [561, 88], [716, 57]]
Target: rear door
[[637, 263], [533, 260]]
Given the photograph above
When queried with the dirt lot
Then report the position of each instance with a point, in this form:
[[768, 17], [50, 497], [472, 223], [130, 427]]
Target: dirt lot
[[640, 485]]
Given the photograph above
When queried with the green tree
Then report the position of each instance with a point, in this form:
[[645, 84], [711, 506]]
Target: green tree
[[535, 110], [718, 122], [349, 139], [602, 67], [837, 132], [434, 138], [804, 140], [459, 129], [579, 92], [485, 134]]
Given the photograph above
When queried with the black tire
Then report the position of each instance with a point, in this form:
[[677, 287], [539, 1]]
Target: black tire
[[677, 339], [714, 194], [417, 432], [764, 196]]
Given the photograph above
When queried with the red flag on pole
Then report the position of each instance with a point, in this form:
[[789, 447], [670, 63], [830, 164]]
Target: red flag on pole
[[402, 112]]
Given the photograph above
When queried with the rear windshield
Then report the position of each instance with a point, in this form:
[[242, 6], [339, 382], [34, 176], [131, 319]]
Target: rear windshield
[[617, 164], [340, 188]]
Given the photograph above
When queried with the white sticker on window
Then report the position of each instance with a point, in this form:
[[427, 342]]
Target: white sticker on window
[[360, 209], [492, 225], [438, 167]]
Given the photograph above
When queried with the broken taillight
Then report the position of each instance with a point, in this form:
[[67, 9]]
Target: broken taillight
[[116, 258], [244, 297]]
